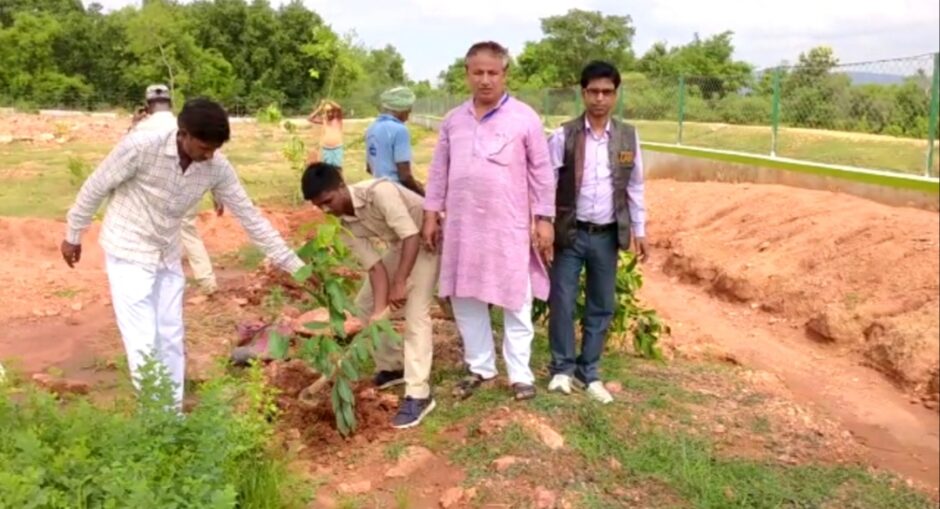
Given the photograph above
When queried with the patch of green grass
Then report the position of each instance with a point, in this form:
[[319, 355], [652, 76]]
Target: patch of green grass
[[250, 257], [904, 155], [480, 452], [350, 502], [690, 466], [402, 498], [394, 450], [67, 293]]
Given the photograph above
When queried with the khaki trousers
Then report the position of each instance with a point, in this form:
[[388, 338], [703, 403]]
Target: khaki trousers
[[416, 352]]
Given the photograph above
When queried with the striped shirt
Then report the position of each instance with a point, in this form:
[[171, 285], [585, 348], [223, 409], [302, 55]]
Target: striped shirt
[[150, 194]]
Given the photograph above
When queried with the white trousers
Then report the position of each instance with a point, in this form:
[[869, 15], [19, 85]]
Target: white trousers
[[196, 253], [148, 305], [473, 322]]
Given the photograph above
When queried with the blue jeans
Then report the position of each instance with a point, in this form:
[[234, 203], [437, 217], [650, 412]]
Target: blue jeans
[[597, 252]]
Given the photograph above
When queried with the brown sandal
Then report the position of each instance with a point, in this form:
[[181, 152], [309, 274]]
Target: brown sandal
[[468, 385], [523, 391]]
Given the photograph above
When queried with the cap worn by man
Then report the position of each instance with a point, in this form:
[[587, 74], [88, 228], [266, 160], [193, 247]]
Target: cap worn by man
[[397, 99], [157, 92]]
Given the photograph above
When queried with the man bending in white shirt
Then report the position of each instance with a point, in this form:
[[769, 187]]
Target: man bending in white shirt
[[158, 116], [154, 178]]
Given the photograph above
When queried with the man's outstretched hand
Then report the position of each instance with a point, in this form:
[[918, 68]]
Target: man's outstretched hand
[[71, 253]]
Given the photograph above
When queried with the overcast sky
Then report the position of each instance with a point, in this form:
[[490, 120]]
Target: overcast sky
[[431, 33]]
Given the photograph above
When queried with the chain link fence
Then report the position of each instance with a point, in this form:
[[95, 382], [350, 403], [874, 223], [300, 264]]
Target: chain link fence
[[876, 115]]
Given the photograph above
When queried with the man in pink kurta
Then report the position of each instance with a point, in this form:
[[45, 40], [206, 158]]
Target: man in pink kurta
[[492, 178]]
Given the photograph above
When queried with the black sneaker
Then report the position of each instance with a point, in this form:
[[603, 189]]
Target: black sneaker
[[386, 379], [412, 411]]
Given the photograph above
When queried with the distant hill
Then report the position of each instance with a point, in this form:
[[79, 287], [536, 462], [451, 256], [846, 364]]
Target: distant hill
[[873, 78]]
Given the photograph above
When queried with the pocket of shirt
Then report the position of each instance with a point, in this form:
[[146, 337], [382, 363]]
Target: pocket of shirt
[[498, 149]]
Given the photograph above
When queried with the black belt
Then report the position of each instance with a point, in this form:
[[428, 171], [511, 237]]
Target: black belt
[[596, 228]]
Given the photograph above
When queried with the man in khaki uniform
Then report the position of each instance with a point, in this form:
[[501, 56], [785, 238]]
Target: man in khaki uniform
[[402, 279]]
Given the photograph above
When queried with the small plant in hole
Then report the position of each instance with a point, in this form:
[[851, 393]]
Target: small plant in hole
[[331, 352]]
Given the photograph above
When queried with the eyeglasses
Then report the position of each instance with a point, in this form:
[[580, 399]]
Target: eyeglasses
[[601, 92]]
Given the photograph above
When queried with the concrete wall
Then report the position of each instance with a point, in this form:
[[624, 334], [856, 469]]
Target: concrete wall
[[683, 167], [661, 165]]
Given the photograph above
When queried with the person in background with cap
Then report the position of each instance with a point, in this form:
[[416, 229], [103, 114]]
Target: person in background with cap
[[158, 116], [388, 143]]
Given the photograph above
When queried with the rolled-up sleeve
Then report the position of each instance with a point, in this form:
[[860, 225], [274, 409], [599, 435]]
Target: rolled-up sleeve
[[259, 230]]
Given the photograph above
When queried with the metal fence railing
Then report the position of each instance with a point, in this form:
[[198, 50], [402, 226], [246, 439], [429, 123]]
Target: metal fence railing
[[875, 115]]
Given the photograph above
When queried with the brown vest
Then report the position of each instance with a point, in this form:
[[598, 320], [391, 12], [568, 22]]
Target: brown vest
[[621, 152]]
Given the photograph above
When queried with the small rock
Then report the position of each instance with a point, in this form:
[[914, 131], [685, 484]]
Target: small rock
[[76, 306], [197, 300], [503, 464], [469, 494], [52, 312], [38, 312], [60, 386], [368, 394], [614, 464], [763, 246], [325, 501], [46, 137], [720, 429], [548, 436], [241, 301], [451, 497], [614, 387], [72, 320], [355, 488], [545, 498], [931, 405], [914, 400], [77, 387], [411, 460]]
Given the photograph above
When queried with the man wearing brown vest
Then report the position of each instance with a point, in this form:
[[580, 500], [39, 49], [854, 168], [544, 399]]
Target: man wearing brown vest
[[599, 209]]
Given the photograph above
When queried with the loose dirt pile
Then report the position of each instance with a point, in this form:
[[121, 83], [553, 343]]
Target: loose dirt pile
[[860, 276], [58, 128]]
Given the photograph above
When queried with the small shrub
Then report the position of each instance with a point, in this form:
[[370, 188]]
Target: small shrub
[[78, 171], [270, 114], [629, 316], [73, 454]]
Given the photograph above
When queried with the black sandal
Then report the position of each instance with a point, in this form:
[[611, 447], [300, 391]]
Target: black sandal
[[468, 385], [523, 391]]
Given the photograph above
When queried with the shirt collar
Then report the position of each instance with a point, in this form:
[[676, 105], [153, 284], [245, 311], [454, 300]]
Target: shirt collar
[[493, 111], [386, 117], [587, 126]]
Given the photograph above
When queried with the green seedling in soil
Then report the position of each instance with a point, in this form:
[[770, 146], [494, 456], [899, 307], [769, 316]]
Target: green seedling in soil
[[629, 315], [338, 358]]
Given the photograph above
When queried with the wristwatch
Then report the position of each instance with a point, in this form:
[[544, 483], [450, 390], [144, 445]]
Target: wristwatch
[[550, 220]]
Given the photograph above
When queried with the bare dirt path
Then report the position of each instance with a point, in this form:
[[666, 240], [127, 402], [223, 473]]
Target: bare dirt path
[[900, 436]]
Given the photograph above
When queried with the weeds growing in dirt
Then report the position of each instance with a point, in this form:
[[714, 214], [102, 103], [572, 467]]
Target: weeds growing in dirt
[[629, 315], [73, 455], [78, 171]]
